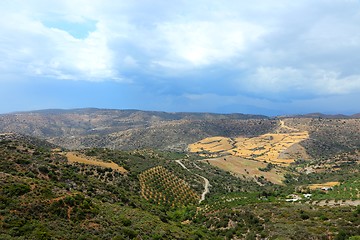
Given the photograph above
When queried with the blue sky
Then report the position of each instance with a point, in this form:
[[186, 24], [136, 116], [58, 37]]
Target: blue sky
[[266, 57]]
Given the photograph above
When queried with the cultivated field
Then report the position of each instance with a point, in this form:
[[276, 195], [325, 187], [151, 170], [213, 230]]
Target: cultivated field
[[162, 187], [76, 157], [212, 144], [277, 148], [269, 147], [247, 168]]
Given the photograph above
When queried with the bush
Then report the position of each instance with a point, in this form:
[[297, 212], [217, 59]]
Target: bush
[[16, 189], [304, 216], [129, 232], [126, 222], [43, 169]]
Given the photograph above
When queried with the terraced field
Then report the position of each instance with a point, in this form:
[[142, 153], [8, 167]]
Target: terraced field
[[277, 148]]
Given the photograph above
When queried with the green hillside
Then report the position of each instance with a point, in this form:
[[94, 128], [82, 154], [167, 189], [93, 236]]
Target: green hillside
[[44, 196]]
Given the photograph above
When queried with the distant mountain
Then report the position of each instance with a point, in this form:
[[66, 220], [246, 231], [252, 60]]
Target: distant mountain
[[357, 115], [130, 129]]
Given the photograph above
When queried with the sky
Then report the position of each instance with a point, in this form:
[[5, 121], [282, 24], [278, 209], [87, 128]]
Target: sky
[[227, 56]]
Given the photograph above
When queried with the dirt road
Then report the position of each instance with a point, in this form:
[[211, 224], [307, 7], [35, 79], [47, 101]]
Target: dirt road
[[282, 125], [206, 184]]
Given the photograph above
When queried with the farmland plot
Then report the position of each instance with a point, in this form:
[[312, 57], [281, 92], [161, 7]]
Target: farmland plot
[[277, 148]]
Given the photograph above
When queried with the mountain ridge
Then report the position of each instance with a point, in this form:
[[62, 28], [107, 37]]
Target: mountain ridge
[[322, 115], [95, 109], [86, 126]]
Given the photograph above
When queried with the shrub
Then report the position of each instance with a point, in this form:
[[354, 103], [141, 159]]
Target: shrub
[[43, 169], [16, 189]]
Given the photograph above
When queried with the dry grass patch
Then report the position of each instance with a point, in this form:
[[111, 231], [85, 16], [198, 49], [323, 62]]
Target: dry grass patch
[[212, 144], [76, 157]]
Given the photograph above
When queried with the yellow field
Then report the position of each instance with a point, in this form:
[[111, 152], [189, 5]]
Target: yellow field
[[322, 185], [75, 157], [246, 168], [270, 147], [212, 144]]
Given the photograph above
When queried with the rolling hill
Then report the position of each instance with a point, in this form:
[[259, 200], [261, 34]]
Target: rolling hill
[[130, 129]]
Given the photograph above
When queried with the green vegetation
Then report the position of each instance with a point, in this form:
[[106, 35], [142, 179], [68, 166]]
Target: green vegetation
[[43, 196], [77, 201]]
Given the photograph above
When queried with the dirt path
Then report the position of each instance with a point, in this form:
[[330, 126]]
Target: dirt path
[[182, 165], [206, 185]]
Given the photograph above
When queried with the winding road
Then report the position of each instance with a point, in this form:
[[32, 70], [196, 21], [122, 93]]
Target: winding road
[[206, 185]]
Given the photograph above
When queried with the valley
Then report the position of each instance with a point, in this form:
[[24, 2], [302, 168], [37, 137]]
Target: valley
[[153, 175]]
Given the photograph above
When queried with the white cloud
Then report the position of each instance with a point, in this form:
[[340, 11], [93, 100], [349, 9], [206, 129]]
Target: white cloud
[[38, 50], [202, 42], [275, 80], [308, 81], [333, 83]]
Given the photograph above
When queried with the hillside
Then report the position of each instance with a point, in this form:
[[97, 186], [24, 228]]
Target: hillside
[[328, 137], [133, 129], [255, 141], [43, 196], [47, 193]]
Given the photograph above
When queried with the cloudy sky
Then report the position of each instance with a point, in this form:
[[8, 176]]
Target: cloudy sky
[[268, 57]]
